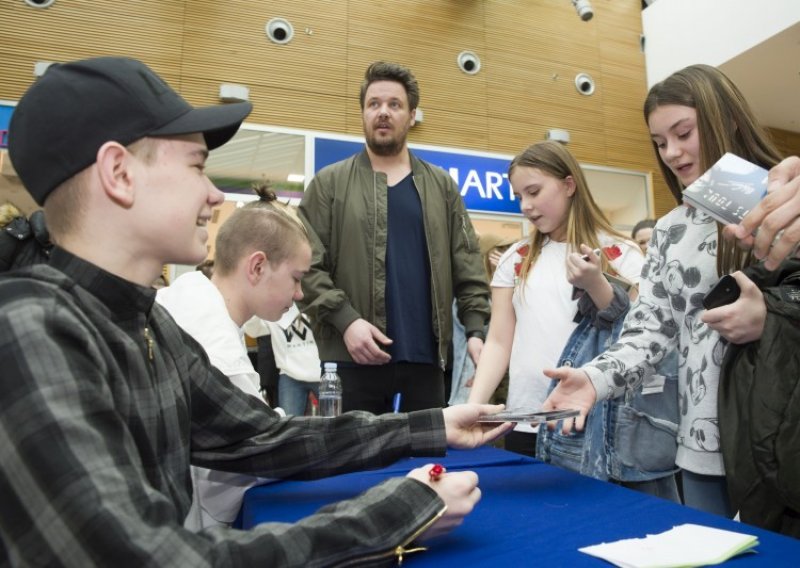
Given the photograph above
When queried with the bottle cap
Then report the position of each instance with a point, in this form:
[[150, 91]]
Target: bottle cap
[[330, 367]]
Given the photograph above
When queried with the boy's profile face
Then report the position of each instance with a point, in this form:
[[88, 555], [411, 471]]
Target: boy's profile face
[[280, 287], [174, 200]]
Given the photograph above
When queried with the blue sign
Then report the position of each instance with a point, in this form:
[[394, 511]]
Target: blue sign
[[5, 118], [482, 180]]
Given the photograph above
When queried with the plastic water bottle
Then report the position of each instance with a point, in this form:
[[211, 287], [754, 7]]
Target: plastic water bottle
[[330, 391]]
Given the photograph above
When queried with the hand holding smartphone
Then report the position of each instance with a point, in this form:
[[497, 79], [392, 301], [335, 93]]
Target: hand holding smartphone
[[724, 292]]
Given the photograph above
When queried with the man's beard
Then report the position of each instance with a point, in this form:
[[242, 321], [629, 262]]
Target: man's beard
[[386, 148]]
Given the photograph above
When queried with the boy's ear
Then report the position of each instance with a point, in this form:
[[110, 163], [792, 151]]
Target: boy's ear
[[256, 264], [114, 169]]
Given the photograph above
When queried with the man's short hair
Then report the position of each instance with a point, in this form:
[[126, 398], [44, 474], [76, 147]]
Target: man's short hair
[[383, 71], [64, 118]]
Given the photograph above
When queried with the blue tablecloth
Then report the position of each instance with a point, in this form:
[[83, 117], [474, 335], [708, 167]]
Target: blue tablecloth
[[531, 514]]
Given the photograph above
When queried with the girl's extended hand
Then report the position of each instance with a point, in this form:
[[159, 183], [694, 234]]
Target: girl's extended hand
[[743, 320]]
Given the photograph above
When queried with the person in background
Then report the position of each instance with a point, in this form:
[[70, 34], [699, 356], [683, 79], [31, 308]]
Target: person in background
[[261, 251], [23, 240], [286, 346], [642, 232], [105, 401], [463, 369], [533, 304], [694, 116], [393, 246], [265, 364], [296, 357]]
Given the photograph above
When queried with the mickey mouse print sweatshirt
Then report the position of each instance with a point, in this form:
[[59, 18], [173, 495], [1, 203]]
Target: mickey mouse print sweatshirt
[[680, 268]]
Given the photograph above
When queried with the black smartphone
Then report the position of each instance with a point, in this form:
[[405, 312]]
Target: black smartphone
[[724, 292]]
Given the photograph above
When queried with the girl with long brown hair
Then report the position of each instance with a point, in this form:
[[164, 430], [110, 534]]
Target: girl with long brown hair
[[694, 116], [533, 304]]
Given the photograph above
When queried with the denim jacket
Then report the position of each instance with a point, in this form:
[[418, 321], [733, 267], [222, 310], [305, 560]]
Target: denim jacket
[[630, 438]]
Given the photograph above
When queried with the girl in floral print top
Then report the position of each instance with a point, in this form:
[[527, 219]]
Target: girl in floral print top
[[533, 299], [694, 116]]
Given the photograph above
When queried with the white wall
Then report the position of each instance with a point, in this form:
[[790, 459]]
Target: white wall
[[684, 32]]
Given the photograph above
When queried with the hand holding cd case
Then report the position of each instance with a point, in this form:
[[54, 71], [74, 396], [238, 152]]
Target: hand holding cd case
[[729, 190], [529, 417]]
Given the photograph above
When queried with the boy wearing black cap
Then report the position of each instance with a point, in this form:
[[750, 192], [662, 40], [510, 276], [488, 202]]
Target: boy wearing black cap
[[104, 401]]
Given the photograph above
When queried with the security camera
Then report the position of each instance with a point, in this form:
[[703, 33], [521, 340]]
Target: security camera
[[584, 9], [584, 84], [469, 62], [279, 30]]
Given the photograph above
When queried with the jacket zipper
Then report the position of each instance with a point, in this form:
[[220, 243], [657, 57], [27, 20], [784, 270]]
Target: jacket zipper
[[399, 551], [148, 340], [373, 317], [442, 362], [466, 236]]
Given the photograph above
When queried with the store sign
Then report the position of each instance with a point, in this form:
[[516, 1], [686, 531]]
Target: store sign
[[482, 180]]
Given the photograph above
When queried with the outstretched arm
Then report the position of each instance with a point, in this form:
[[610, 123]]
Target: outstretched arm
[[463, 430], [573, 391], [497, 350]]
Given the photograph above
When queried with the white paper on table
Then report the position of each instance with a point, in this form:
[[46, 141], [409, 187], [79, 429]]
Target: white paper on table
[[682, 546]]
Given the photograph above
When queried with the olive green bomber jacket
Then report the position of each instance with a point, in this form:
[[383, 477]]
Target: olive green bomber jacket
[[345, 210]]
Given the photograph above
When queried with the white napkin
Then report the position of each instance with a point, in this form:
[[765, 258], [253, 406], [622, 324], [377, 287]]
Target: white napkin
[[682, 546]]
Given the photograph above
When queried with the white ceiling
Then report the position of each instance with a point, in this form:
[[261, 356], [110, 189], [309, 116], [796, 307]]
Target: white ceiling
[[769, 77]]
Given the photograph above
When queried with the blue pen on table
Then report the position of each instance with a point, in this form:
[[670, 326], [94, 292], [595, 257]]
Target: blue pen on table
[[396, 402]]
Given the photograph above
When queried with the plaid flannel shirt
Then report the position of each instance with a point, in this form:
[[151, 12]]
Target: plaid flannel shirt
[[104, 403]]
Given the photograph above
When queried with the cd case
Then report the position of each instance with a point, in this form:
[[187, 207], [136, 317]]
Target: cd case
[[729, 190], [530, 417]]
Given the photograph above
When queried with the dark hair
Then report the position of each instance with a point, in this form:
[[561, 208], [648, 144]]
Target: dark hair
[[383, 71], [643, 224]]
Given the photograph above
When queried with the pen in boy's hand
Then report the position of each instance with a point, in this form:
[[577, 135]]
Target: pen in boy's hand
[[436, 471]]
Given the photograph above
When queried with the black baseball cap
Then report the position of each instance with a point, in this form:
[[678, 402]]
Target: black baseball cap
[[62, 120]]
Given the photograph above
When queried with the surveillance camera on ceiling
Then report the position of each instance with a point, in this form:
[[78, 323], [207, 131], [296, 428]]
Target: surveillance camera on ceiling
[[584, 9], [39, 3], [279, 30], [584, 84], [469, 62]]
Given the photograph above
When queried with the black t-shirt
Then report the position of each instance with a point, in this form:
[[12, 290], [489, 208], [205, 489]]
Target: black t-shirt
[[408, 278]]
